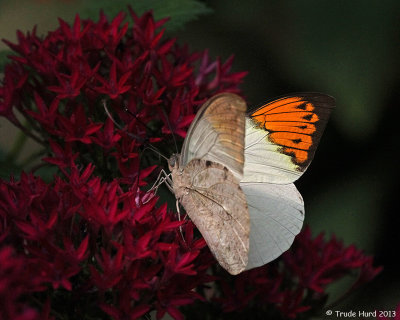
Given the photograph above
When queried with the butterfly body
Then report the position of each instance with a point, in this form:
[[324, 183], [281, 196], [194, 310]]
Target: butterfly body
[[216, 204]]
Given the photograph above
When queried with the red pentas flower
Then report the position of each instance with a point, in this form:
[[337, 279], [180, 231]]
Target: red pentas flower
[[126, 247], [14, 284], [77, 66], [294, 284], [93, 243], [92, 234]]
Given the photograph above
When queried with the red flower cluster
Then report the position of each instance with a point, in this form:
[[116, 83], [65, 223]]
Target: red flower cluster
[[92, 239], [75, 67], [92, 243], [295, 283], [105, 241]]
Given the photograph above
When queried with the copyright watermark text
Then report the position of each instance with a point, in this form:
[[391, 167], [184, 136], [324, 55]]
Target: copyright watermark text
[[361, 313]]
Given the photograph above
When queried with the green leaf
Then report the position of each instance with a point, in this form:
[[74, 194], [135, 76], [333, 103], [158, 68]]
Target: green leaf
[[47, 173], [3, 59], [180, 11], [8, 168]]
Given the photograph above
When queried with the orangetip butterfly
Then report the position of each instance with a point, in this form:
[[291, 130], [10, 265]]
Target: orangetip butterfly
[[235, 174]]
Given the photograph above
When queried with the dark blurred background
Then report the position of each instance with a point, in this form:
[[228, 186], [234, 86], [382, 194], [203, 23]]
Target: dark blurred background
[[347, 49]]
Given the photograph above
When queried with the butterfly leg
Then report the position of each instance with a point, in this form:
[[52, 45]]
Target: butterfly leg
[[167, 181], [179, 218], [163, 177]]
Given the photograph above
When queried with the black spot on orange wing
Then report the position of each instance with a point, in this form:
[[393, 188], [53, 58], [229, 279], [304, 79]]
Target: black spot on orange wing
[[308, 117], [296, 123]]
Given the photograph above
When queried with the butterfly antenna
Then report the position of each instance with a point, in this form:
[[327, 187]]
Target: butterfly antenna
[[134, 115], [147, 145], [118, 125], [143, 124], [155, 150], [170, 128]]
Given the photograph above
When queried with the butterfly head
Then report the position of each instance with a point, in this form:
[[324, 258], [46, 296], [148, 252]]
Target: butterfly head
[[173, 162]]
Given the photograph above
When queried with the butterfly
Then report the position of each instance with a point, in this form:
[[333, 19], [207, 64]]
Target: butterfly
[[235, 174]]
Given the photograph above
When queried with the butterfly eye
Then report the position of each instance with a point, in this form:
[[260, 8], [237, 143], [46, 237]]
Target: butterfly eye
[[172, 161]]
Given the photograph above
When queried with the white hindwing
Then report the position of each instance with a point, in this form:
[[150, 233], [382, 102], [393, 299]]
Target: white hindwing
[[276, 217]]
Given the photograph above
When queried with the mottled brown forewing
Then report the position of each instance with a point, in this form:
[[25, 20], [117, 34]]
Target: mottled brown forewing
[[216, 204]]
